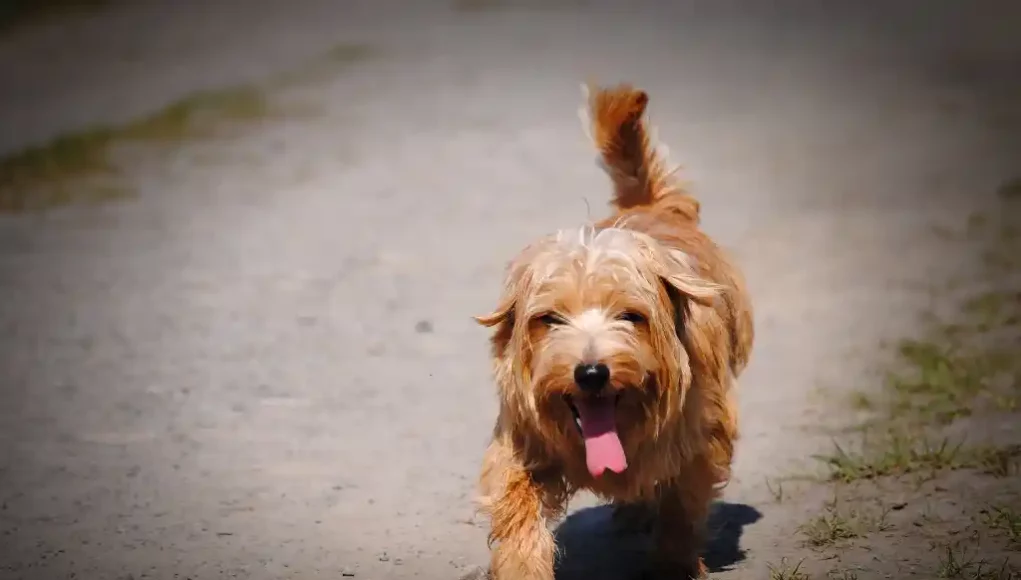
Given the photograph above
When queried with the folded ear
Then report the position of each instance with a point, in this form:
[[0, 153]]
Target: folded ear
[[503, 312], [502, 318], [516, 279], [680, 274]]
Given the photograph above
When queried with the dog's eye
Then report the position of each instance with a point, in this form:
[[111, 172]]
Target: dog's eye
[[632, 317], [550, 319]]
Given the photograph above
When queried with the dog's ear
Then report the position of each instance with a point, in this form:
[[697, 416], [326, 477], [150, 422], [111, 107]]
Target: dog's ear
[[504, 312], [503, 316], [679, 274], [683, 286], [517, 278], [503, 319]]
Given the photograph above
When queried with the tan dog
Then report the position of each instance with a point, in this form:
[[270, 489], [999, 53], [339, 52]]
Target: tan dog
[[616, 349]]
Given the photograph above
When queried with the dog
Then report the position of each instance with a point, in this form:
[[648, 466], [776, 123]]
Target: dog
[[616, 348]]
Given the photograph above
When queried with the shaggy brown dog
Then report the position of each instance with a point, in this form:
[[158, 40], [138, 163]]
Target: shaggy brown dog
[[616, 349]]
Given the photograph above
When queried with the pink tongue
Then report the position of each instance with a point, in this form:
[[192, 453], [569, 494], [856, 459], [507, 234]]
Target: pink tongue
[[599, 428]]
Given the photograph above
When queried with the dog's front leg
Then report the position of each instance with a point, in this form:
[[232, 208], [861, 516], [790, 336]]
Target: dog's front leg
[[524, 546], [633, 517], [680, 527]]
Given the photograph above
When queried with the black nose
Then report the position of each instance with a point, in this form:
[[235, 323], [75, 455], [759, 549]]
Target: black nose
[[591, 377]]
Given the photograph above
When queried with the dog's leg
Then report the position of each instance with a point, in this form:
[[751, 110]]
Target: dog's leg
[[633, 517], [680, 526], [519, 506], [724, 434]]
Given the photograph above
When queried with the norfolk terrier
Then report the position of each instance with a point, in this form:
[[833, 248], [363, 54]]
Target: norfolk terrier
[[616, 348]]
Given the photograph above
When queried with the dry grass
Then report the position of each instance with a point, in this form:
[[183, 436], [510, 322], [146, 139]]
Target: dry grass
[[787, 571], [1006, 521], [838, 524], [775, 488], [958, 563]]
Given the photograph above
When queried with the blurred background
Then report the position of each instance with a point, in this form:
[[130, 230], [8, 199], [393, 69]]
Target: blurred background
[[241, 243]]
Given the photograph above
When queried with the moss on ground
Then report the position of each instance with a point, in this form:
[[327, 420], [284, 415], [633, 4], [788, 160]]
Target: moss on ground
[[79, 166], [938, 455]]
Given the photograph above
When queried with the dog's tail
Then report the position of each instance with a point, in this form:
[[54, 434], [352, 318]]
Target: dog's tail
[[614, 119]]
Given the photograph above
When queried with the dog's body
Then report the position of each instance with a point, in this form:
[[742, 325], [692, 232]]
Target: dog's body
[[638, 327]]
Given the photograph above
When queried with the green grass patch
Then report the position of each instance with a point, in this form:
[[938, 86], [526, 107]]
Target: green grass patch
[[968, 367], [960, 375], [942, 381], [75, 166], [894, 454], [79, 166], [900, 453], [325, 66]]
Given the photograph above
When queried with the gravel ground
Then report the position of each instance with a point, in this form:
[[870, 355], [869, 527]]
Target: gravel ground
[[263, 365]]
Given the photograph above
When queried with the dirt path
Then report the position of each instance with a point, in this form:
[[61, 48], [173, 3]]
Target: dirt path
[[262, 364]]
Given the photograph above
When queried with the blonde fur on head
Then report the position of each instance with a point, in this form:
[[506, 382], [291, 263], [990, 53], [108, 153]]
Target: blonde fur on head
[[615, 349]]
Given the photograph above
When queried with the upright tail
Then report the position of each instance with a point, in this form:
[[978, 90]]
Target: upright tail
[[614, 119]]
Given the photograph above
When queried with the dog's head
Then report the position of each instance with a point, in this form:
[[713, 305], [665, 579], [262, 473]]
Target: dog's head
[[588, 340]]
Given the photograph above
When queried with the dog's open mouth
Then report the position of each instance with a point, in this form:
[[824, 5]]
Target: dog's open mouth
[[596, 419]]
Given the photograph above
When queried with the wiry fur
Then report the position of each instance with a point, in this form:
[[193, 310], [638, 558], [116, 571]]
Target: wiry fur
[[674, 368]]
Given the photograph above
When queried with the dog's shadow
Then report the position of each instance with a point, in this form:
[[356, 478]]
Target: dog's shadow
[[593, 548]]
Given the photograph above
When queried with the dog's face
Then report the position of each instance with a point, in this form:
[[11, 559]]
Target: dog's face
[[589, 341]]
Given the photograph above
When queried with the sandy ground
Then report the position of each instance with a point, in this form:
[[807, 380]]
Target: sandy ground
[[264, 365]]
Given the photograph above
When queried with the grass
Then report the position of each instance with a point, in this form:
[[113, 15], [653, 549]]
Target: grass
[[61, 170], [1005, 521], [998, 461], [837, 525], [956, 563], [79, 166], [862, 402], [943, 381], [786, 571], [967, 367], [900, 453], [961, 375], [829, 529], [325, 65], [776, 489], [896, 454], [1010, 189]]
